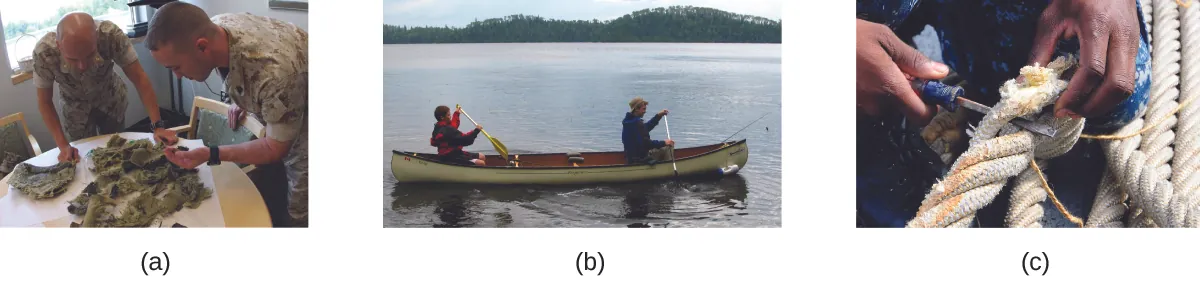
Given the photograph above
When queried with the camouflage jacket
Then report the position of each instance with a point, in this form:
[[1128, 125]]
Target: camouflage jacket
[[268, 72]]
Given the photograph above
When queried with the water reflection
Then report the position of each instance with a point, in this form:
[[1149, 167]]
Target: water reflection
[[638, 204]]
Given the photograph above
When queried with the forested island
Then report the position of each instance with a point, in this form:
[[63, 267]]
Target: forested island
[[668, 24]]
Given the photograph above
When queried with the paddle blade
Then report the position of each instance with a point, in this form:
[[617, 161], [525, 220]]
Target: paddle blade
[[503, 150], [500, 148]]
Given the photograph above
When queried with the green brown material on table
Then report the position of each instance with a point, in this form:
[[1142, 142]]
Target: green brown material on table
[[135, 179]]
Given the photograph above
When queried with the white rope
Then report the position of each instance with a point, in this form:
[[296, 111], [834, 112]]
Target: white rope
[[1139, 163], [1026, 208], [1187, 142], [1109, 207], [998, 150]]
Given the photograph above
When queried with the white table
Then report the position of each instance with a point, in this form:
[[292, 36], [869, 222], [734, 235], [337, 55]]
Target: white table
[[240, 203]]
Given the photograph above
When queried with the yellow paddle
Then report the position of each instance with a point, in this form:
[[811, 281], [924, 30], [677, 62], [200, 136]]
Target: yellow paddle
[[495, 143]]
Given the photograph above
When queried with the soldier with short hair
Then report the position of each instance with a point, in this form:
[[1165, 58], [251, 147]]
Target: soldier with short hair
[[79, 57], [264, 63]]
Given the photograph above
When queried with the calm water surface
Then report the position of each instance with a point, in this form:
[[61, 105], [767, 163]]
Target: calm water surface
[[560, 97]]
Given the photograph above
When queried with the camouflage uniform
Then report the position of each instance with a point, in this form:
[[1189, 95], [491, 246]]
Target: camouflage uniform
[[93, 100], [268, 77]]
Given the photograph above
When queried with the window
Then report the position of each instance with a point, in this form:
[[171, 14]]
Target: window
[[25, 22]]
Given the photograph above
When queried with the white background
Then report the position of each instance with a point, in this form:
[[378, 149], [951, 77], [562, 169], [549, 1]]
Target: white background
[[818, 241]]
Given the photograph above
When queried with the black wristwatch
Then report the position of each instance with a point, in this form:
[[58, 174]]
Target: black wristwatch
[[214, 155], [161, 124]]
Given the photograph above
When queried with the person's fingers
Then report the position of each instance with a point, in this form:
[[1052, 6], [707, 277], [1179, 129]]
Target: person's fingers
[[231, 114], [1119, 79], [1093, 54], [178, 157], [171, 154], [1049, 30], [869, 107], [917, 111], [193, 154], [235, 115], [911, 61]]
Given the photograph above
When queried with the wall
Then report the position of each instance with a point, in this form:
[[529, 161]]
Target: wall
[[23, 97]]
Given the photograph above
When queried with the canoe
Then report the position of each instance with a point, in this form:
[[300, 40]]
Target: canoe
[[557, 169]]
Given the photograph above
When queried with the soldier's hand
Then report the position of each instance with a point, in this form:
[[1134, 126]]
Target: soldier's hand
[[479, 127], [68, 154], [166, 136], [664, 112], [235, 115], [186, 159]]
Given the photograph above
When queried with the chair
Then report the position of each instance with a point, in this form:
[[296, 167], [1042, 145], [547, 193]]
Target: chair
[[209, 122], [16, 143]]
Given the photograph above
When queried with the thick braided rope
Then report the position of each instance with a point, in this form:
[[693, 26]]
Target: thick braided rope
[[998, 151], [1187, 140], [1026, 210], [1109, 207], [1139, 163], [1029, 189]]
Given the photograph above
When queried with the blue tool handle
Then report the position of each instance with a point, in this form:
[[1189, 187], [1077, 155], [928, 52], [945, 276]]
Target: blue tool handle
[[939, 93]]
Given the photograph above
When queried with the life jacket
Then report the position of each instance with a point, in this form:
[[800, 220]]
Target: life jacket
[[444, 133]]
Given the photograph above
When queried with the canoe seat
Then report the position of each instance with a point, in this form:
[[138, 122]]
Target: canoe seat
[[574, 154], [575, 160]]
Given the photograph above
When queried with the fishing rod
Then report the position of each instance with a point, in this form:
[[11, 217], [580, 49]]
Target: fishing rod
[[743, 128]]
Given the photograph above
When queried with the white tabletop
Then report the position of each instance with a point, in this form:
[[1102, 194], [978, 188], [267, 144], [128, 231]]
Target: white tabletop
[[240, 203]]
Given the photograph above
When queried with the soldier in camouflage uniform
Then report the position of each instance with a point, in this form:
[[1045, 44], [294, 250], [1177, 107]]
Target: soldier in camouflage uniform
[[264, 63], [79, 57]]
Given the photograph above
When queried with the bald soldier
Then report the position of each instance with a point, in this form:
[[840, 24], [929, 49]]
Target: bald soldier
[[264, 63], [79, 57]]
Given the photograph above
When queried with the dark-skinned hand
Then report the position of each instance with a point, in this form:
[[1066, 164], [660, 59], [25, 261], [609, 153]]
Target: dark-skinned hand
[[885, 65], [1108, 42]]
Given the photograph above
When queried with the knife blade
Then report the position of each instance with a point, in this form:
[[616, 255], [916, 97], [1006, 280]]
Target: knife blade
[[950, 97]]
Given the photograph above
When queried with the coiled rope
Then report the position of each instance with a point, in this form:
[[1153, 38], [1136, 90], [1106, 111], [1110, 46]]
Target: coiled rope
[[1186, 162], [1138, 156]]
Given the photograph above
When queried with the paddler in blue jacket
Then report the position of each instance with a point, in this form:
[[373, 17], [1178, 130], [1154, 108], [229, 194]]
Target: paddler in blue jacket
[[635, 134]]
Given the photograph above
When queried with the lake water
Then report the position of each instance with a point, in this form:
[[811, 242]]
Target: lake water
[[558, 97]]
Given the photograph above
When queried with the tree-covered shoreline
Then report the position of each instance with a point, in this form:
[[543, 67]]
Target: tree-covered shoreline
[[669, 24]]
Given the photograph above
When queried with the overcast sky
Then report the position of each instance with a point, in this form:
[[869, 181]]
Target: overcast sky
[[462, 12]]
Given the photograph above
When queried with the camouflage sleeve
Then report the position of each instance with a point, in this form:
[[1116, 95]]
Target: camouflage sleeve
[[284, 102], [44, 62], [115, 44]]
